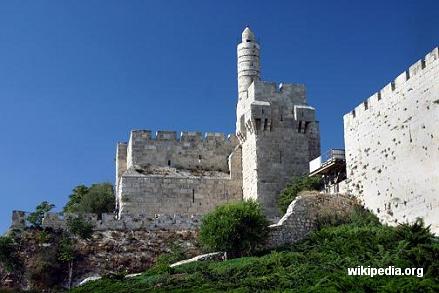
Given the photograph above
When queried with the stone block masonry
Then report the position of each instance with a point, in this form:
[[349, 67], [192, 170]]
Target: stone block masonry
[[277, 129], [392, 146]]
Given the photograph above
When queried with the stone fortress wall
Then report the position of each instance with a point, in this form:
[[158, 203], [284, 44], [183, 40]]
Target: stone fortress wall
[[392, 146], [185, 175], [277, 129]]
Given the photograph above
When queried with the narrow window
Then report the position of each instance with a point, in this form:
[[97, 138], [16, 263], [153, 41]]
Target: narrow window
[[300, 127], [169, 163], [392, 85], [366, 105], [265, 124], [407, 75], [281, 117], [193, 195], [258, 124], [423, 63], [353, 113], [379, 95], [280, 157], [199, 157]]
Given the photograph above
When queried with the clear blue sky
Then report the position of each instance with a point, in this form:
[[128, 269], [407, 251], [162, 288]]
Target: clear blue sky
[[76, 76]]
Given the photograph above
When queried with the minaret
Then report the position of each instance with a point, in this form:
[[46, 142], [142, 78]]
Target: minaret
[[248, 61]]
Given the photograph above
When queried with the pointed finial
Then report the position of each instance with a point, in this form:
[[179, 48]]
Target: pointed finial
[[248, 35]]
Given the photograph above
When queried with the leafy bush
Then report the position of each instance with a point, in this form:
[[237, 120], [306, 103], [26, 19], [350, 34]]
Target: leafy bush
[[358, 216], [97, 199], [297, 185], [8, 254], [235, 228], [80, 227], [35, 218], [66, 252]]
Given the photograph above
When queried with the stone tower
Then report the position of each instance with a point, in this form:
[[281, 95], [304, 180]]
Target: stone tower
[[277, 129]]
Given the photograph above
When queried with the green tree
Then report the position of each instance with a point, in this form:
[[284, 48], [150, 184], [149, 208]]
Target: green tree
[[79, 227], [36, 218], [297, 185], [97, 199], [75, 198], [236, 228], [66, 254]]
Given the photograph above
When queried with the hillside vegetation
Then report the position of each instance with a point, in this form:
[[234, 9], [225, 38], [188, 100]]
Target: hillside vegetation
[[316, 264]]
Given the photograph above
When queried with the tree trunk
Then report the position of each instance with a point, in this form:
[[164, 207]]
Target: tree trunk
[[70, 274]]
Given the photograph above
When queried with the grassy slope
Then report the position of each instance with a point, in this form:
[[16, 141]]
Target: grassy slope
[[317, 264]]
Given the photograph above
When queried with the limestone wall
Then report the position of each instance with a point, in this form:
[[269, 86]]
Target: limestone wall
[[392, 146], [142, 194], [279, 135], [190, 151], [301, 216], [109, 222]]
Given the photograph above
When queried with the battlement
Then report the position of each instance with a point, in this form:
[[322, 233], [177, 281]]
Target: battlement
[[387, 92], [185, 136], [190, 150], [107, 221]]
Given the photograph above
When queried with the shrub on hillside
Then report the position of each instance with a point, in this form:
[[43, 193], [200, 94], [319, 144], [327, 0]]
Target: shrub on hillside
[[97, 199], [80, 227], [358, 216], [8, 254], [297, 185], [236, 228]]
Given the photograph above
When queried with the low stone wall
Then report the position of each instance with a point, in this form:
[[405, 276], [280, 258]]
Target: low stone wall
[[301, 216], [109, 222]]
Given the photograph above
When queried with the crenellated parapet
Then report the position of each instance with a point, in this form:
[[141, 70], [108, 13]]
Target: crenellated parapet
[[389, 93], [391, 144], [189, 150]]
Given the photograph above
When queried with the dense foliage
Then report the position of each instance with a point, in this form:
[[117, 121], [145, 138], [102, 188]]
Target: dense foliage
[[235, 228], [317, 264], [80, 227], [36, 217], [297, 185], [97, 199]]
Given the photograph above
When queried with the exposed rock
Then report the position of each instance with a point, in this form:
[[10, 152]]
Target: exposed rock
[[203, 257]]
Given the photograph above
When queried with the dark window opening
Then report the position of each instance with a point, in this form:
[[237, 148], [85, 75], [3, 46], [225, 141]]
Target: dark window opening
[[407, 75], [281, 117], [258, 123], [193, 195], [379, 95], [422, 63], [366, 105], [265, 124], [392, 85], [353, 113], [280, 157], [169, 163], [299, 129], [199, 157]]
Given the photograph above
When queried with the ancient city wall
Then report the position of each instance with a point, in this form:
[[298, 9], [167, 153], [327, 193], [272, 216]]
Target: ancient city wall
[[392, 146], [141, 194], [108, 222], [189, 151]]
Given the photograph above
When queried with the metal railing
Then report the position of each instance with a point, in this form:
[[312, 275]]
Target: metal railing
[[326, 158]]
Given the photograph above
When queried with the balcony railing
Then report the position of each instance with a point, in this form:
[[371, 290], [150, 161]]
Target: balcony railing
[[326, 159]]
